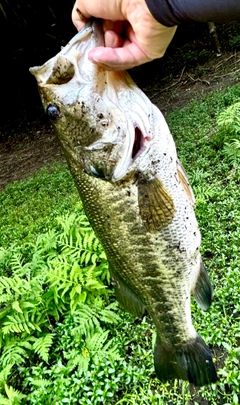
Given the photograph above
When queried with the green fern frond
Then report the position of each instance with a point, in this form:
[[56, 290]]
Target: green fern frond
[[75, 272], [88, 239], [86, 321], [71, 252], [4, 374], [9, 286], [14, 354], [4, 400], [79, 360], [101, 347], [16, 306], [37, 266], [16, 261], [13, 285], [5, 257], [19, 323], [231, 151], [109, 315], [229, 119], [5, 298], [95, 342], [66, 222], [47, 241], [14, 397], [42, 346], [42, 384]]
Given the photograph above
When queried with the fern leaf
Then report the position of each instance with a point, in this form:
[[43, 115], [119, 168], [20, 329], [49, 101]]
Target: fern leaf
[[4, 298], [18, 323], [13, 395], [13, 354], [79, 360], [16, 306], [86, 321], [16, 261], [42, 384], [231, 151], [14, 284], [5, 373], [4, 400], [101, 347], [95, 342], [95, 285], [42, 346], [74, 273], [108, 315], [6, 283], [47, 242]]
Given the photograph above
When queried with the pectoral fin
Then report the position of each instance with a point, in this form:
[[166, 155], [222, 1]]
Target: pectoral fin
[[126, 297], [156, 205]]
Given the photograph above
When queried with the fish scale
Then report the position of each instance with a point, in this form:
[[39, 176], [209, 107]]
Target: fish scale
[[137, 197], [145, 269]]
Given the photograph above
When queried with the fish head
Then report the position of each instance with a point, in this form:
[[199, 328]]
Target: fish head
[[103, 121]]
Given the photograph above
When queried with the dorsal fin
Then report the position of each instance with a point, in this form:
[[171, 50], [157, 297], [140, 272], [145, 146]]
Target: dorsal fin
[[185, 183]]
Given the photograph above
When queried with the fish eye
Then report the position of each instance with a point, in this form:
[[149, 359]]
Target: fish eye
[[53, 112]]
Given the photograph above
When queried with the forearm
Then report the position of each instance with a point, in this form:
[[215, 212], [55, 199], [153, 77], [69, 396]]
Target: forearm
[[174, 12]]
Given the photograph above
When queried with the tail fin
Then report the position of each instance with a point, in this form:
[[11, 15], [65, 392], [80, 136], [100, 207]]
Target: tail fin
[[193, 363]]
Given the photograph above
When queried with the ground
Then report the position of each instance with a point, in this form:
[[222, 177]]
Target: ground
[[190, 68]]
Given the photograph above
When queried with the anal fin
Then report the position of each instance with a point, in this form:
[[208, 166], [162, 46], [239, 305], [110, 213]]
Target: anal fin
[[156, 205], [126, 296], [192, 362], [203, 291]]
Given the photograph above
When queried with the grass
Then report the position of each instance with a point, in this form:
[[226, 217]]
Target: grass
[[31, 207]]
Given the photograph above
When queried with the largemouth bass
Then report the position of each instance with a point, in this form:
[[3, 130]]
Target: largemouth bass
[[137, 198]]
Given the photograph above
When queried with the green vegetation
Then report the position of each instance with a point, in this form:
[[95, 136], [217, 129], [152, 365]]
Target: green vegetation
[[63, 338], [30, 207]]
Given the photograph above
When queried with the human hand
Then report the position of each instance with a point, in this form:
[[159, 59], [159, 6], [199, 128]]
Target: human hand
[[132, 35]]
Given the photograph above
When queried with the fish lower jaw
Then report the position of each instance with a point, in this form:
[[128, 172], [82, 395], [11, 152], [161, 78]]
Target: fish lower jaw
[[121, 170]]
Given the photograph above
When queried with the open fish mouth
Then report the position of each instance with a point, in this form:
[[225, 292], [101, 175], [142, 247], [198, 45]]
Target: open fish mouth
[[136, 145], [132, 148]]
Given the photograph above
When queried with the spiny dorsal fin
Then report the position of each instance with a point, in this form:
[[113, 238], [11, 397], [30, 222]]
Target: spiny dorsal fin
[[185, 183], [156, 205], [203, 291]]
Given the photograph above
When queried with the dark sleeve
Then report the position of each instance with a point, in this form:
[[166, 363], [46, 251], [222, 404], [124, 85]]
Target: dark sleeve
[[174, 12]]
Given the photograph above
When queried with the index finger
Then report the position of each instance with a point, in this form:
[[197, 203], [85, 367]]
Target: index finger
[[78, 18], [118, 58]]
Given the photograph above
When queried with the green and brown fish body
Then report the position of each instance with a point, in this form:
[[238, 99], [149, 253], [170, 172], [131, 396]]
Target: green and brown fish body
[[136, 196]]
